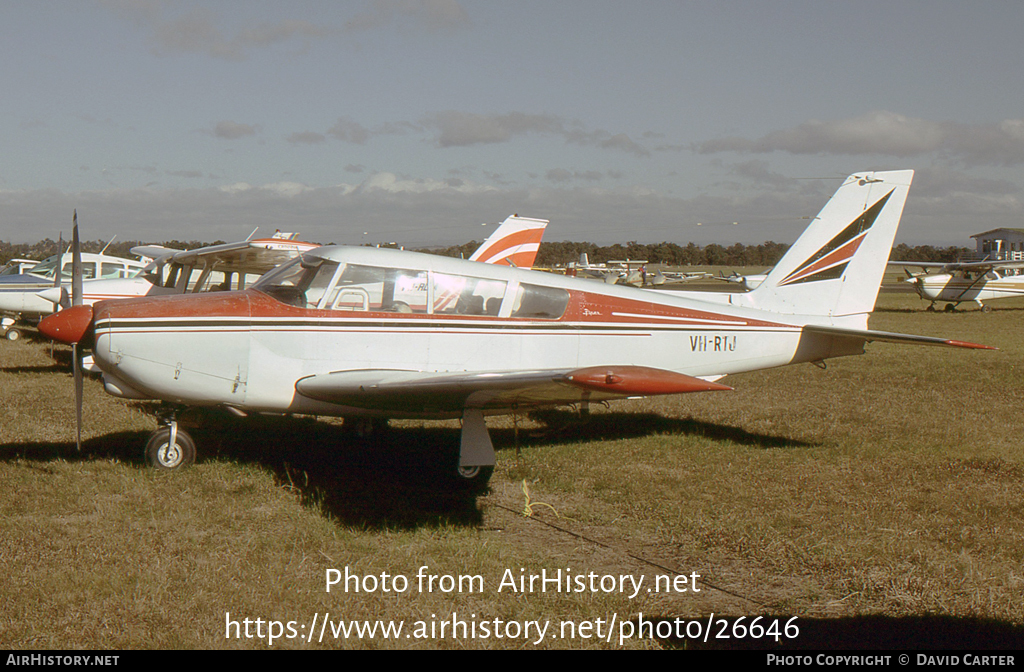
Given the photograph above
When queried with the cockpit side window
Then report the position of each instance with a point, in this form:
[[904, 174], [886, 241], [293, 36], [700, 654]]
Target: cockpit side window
[[88, 270], [390, 290]]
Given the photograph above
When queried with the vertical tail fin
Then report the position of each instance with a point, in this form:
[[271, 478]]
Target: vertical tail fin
[[835, 268], [514, 243]]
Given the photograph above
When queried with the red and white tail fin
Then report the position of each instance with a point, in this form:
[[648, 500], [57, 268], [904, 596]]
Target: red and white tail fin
[[835, 268], [514, 243]]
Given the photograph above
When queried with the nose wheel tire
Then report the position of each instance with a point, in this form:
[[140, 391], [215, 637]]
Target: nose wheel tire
[[160, 454]]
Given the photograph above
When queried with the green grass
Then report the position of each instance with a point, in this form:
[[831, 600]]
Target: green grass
[[888, 485]]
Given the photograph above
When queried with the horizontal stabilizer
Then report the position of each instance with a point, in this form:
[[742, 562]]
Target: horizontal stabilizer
[[869, 335]]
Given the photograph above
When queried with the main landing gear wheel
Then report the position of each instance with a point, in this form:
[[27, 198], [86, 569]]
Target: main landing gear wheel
[[986, 309], [160, 454], [13, 334], [473, 479], [950, 308]]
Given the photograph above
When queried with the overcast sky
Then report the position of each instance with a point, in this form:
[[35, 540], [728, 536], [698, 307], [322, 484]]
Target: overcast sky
[[417, 120]]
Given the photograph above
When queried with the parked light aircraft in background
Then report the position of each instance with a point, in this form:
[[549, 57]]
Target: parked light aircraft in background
[[19, 297], [976, 281], [747, 282], [18, 266], [232, 266], [325, 334], [212, 268], [514, 243]]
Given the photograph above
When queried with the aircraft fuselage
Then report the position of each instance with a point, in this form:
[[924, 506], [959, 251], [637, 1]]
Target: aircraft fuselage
[[249, 350]]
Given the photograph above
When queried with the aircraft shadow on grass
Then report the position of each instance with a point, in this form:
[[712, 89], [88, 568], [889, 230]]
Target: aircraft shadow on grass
[[394, 478], [856, 634]]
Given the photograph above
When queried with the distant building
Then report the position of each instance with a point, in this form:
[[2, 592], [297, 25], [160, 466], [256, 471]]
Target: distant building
[[1006, 244]]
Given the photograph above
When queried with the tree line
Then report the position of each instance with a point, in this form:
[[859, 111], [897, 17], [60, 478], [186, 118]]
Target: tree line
[[553, 253], [673, 254]]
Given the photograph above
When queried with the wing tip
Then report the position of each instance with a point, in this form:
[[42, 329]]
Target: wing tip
[[969, 345]]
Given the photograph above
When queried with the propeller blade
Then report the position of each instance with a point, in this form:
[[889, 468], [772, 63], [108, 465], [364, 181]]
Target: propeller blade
[[79, 392], [76, 300], [76, 265]]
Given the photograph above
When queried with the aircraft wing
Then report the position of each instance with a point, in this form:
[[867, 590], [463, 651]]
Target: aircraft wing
[[869, 335], [982, 266], [157, 253], [247, 256], [416, 391]]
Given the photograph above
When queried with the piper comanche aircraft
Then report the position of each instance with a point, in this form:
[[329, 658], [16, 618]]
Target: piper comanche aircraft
[[363, 332], [955, 283]]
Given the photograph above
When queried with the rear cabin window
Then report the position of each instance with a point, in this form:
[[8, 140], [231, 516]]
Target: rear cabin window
[[538, 302], [461, 295]]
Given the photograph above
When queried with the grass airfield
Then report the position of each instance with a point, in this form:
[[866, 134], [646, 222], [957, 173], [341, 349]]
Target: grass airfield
[[878, 501]]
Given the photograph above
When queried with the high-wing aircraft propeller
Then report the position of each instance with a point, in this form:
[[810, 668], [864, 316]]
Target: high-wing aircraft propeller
[[381, 333]]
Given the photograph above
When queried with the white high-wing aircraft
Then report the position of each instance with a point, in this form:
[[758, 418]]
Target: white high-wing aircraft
[[19, 292], [748, 282], [237, 265], [212, 268], [335, 332], [976, 281]]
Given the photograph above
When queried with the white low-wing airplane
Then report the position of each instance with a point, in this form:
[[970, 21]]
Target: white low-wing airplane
[[363, 332], [976, 281]]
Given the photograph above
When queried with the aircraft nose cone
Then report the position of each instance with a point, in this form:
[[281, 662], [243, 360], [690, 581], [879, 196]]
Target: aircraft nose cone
[[68, 326]]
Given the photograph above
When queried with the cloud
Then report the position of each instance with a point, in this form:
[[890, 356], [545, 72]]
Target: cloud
[[231, 130], [348, 130], [561, 175], [307, 138], [424, 211], [430, 15], [464, 129], [198, 32], [888, 134]]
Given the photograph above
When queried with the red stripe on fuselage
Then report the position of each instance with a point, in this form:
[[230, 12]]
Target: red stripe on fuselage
[[584, 307]]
